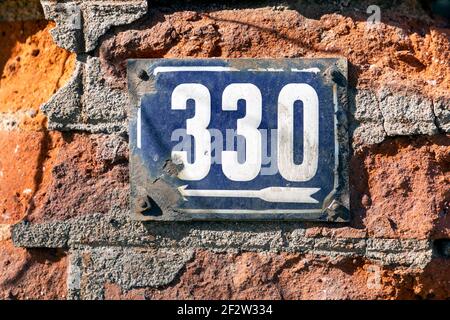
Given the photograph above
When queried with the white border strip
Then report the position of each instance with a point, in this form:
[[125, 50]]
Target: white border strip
[[138, 125], [192, 68], [312, 70], [224, 69], [240, 211]]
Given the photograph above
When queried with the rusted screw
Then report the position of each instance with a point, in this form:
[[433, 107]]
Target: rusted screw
[[143, 204]]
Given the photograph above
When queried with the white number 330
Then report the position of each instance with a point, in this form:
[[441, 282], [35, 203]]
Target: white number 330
[[247, 127]]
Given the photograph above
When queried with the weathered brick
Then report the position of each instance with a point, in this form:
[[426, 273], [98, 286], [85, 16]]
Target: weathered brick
[[405, 188], [32, 274], [32, 68], [293, 276], [20, 172], [399, 189], [5, 232], [87, 174]]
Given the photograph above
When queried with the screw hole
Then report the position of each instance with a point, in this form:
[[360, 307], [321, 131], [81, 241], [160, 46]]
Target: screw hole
[[143, 75]]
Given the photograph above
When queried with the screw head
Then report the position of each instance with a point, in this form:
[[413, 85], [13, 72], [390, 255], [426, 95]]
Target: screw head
[[143, 203], [338, 77]]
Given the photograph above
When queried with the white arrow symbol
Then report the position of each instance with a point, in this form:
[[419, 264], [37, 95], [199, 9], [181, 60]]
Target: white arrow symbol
[[271, 194]]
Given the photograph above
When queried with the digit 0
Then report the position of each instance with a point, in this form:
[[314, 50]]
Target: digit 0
[[288, 96]]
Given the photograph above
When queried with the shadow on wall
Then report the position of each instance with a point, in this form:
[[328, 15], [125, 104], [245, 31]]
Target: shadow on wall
[[435, 11], [16, 99], [315, 9], [32, 69]]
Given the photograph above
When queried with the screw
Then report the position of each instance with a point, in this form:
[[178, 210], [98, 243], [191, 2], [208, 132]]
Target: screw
[[338, 77], [114, 223], [143, 203], [336, 211], [143, 75]]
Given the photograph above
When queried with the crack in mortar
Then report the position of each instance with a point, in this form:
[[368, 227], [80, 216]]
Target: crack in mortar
[[435, 119]]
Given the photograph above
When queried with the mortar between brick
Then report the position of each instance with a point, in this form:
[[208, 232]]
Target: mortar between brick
[[96, 231]]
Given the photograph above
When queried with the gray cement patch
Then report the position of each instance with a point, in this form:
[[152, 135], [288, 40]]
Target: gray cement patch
[[393, 112], [406, 113], [128, 267], [20, 10], [132, 254], [80, 24], [116, 229], [87, 102], [442, 113]]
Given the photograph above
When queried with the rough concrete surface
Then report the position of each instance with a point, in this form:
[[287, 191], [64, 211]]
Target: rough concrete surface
[[406, 114], [20, 10], [123, 266], [79, 24], [442, 111], [65, 227], [87, 102], [118, 230]]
